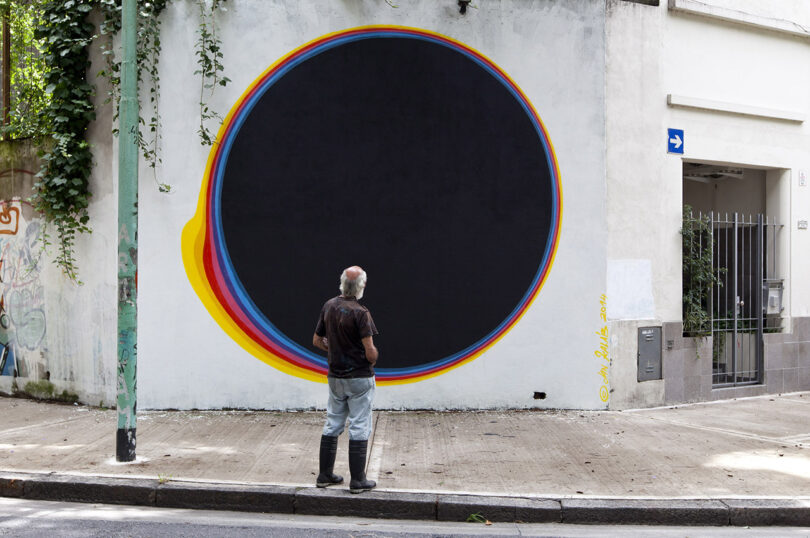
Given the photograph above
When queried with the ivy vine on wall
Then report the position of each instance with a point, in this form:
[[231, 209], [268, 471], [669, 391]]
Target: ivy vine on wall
[[62, 192], [207, 49], [63, 34], [147, 60]]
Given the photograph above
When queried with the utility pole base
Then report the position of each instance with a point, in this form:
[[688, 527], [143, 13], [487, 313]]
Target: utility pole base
[[125, 445]]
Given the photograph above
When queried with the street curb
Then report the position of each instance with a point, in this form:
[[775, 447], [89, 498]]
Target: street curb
[[241, 498], [645, 511], [461, 507], [758, 512], [11, 485], [398, 505], [90, 489], [374, 504]]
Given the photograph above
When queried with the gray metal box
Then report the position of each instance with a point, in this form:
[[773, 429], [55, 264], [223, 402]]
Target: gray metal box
[[649, 353]]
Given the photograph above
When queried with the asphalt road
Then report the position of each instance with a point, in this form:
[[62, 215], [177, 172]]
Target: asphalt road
[[25, 518]]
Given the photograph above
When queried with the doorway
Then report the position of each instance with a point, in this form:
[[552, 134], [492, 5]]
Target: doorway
[[742, 299]]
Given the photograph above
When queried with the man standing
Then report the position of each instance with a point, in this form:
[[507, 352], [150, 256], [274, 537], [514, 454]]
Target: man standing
[[345, 331]]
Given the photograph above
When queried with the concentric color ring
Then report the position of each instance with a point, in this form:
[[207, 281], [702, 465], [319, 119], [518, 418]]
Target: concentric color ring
[[211, 272]]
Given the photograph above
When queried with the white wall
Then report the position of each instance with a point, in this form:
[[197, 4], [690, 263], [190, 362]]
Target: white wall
[[748, 67], [644, 187], [82, 318], [653, 52], [555, 53], [594, 87], [53, 328]]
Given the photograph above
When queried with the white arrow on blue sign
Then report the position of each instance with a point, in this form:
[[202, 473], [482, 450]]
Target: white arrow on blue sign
[[675, 141]]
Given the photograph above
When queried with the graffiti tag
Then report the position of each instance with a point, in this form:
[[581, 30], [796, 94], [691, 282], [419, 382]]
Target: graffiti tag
[[9, 219], [602, 352], [22, 302]]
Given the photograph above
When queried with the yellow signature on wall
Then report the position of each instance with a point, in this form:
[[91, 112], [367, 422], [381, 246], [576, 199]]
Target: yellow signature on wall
[[602, 352]]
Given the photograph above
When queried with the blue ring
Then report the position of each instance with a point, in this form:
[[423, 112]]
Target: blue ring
[[235, 286]]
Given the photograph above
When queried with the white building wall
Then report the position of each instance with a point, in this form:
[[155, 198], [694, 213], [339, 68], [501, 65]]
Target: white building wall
[[82, 317], [553, 50], [601, 92], [654, 52], [63, 332]]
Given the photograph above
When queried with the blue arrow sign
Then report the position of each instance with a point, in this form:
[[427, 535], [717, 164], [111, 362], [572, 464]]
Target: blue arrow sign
[[675, 141]]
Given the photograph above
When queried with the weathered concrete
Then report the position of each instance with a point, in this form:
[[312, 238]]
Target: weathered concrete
[[376, 504], [428, 465], [770, 512], [12, 485], [719, 450], [461, 507], [90, 489], [576, 453], [746, 418], [245, 498], [645, 511], [398, 505], [538, 511]]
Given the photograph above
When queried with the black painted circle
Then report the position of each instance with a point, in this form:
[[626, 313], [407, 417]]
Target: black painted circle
[[405, 157]]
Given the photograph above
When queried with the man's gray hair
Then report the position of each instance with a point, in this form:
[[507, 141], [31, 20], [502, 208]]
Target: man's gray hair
[[352, 288]]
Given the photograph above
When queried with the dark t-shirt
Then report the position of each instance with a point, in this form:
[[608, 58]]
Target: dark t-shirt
[[345, 322]]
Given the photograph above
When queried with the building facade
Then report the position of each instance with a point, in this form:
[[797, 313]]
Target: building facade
[[728, 77], [513, 179]]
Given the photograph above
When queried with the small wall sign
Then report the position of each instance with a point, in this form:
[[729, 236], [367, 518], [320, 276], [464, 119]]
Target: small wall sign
[[675, 141]]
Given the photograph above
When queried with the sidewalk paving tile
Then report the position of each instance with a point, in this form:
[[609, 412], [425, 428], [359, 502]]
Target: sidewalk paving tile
[[756, 448]]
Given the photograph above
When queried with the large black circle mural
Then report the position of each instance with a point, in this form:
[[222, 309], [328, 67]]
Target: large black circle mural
[[395, 149]]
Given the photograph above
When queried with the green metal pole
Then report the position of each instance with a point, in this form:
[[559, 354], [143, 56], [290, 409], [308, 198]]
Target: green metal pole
[[127, 237]]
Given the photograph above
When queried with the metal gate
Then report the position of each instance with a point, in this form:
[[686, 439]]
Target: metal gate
[[746, 300]]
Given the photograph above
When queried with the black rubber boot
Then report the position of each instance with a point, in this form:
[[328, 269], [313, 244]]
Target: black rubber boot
[[357, 466], [327, 463]]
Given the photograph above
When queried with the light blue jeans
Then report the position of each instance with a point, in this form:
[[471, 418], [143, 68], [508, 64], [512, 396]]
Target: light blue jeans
[[350, 399]]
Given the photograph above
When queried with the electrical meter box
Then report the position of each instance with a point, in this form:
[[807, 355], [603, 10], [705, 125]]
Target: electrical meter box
[[649, 353], [772, 291]]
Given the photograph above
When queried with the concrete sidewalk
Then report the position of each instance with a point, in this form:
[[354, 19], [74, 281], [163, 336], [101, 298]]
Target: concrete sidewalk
[[754, 450]]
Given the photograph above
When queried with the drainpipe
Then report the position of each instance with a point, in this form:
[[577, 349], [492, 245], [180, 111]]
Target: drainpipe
[[127, 237]]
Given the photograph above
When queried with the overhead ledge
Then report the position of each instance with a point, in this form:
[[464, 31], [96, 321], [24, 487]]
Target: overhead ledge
[[735, 108], [740, 17]]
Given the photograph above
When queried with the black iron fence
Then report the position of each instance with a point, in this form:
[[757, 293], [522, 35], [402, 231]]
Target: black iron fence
[[742, 298]]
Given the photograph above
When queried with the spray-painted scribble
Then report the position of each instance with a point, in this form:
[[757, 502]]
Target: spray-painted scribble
[[603, 352], [22, 313], [9, 220], [7, 364]]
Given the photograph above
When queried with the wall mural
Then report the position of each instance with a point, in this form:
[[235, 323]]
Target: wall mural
[[394, 148], [22, 312]]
